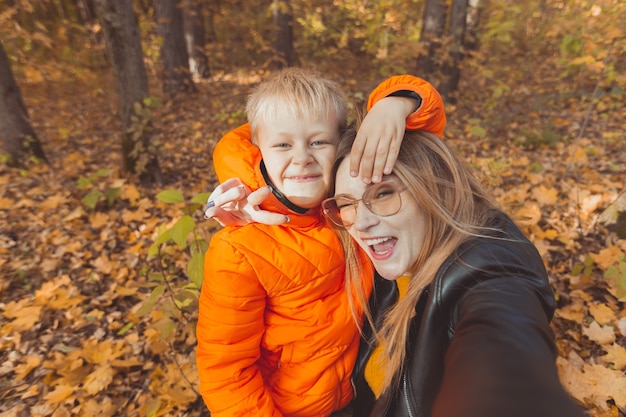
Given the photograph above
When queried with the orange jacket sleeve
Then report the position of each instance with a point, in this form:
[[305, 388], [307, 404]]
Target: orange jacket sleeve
[[229, 331], [235, 156], [430, 116]]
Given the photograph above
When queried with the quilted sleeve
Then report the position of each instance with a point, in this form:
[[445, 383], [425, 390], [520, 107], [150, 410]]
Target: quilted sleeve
[[229, 331], [235, 156], [430, 116]]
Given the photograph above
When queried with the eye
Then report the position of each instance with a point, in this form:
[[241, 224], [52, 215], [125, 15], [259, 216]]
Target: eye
[[319, 143], [342, 203], [382, 192], [281, 145]]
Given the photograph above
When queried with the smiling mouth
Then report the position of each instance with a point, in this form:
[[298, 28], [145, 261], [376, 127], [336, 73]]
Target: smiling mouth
[[381, 245], [304, 178]]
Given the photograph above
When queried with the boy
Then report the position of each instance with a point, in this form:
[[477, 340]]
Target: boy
[[275, 331]]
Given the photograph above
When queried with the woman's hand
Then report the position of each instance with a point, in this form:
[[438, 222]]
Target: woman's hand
[[232, 204], [378, 140]]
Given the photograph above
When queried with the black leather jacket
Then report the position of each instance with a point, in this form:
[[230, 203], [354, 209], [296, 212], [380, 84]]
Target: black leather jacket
[[480, 343]]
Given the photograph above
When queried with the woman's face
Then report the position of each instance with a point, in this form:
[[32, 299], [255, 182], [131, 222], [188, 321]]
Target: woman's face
[[391, 242]]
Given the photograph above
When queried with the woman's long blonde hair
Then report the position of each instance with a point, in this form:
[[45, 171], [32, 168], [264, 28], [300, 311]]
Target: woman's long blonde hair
[[455, 206]]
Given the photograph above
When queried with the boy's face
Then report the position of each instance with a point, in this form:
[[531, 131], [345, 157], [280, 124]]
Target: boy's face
[[299, 155]]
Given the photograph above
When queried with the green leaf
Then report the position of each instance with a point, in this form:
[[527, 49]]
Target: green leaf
[[170, 196], [156, 276], [102, 172], [181, 230], [84, 182], [92, 198], [195, 268], [200, 198], [167, 329], [149, 304], [478, 131], [125, 329], [112, 194], [162, 237]]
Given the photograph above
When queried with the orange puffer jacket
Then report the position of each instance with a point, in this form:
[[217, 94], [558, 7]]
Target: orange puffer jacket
[[275, 333]]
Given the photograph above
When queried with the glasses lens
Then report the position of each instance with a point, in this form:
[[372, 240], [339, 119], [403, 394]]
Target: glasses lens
[[340, 211], [383, 199]]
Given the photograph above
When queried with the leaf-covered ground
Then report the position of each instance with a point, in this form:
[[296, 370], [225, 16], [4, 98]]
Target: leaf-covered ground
[[74, 339]]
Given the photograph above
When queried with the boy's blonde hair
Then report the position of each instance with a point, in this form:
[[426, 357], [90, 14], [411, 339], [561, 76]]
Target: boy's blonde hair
[[304, 93]]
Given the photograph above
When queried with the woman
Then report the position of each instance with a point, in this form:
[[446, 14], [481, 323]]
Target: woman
[[458, 323]]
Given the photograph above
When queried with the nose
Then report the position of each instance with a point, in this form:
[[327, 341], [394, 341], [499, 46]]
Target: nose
[[302, 155], [364, 218]]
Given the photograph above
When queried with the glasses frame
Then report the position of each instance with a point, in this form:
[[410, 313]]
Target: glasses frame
[[398, 186]]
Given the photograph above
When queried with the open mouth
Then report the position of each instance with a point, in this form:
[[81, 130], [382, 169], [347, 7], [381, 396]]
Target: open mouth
[[382, 245]]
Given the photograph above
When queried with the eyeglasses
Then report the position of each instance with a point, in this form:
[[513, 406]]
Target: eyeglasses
[[382, 199]]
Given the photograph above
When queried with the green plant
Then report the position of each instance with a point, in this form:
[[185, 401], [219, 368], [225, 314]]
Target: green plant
[[99, 192]]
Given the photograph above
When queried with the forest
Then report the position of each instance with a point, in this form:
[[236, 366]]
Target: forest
[[109, 112]]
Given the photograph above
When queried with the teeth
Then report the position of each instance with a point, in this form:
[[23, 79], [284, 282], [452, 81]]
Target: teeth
[[372, 242]]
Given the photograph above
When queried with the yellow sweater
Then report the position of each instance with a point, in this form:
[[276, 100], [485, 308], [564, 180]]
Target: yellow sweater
[[373, 369]]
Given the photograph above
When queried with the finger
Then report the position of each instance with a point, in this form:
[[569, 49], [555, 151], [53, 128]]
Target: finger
[[356, 153], [392, 156], [367, 160], [379, 162], [229, 196], [269, 218], [255, 198]]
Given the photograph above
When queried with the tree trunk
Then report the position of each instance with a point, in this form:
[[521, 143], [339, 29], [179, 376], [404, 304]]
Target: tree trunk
[[474, 14], [433, 24], [18, 136], [174, 57], [456, 35], [121, 32], [195, 38], [283, 34]]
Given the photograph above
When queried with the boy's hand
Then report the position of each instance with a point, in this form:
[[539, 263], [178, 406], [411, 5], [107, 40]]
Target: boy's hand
[[232, 204], [377, 144]]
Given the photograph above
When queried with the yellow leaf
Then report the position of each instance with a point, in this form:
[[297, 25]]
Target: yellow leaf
[[75, 214], [6, 203], [528, 215], [53, 202], [25, 316], [545, 196], [24, 369], [599, 334], [602, 313], [103, 264], [60, 394], [616, 355], [579, 156], [98, 379], [130, 193], [98, 219], [607, 257]]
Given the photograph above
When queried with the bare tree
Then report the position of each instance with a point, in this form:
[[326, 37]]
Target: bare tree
[[195, 38], [18, 136], [121, 32], [455, 42], [433, 27], [283, 33], [174, 57]]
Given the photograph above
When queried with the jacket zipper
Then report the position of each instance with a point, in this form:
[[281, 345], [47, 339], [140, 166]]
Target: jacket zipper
[[405, 392]]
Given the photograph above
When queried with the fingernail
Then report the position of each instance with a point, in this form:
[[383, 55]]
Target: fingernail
[[287, 219], [387, 171], [353, 173], [375, 178], [209, 205], [366, 180]]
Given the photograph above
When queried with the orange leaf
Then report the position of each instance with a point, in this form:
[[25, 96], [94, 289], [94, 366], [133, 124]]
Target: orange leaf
[[599, 334], [98, 379], [25, 316], [22, 370], [607, 257], [545, 196], [60, 394]]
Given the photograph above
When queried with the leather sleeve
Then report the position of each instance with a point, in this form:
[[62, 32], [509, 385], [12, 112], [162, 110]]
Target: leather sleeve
[[501, 359], [229, 331], [430, 116]]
